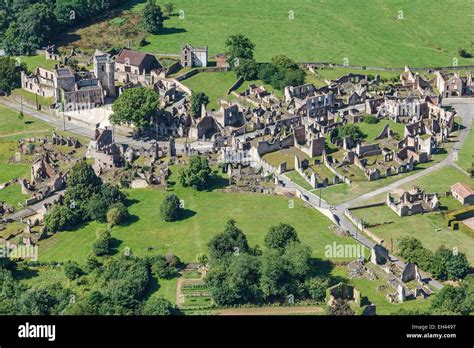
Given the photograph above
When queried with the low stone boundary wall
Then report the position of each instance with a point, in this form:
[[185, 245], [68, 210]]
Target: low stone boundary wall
[[358, 224]]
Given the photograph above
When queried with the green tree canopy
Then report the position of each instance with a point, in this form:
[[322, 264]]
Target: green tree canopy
[[197, 174], [239, 47], [10, 72], [230, 242], [170, 208], [136, 106], [152, 17], [278, 237], [197, 100], [247, 69]]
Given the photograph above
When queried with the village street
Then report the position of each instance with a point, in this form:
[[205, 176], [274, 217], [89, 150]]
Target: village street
[[88, 131], [464, 108]]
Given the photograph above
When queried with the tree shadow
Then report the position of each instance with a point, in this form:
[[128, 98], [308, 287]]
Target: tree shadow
[[114, 245], [217, 182], [131, 220], [186, 214], [170, 31], [152, 287], [25, 273], [131, 201], [321, 268]]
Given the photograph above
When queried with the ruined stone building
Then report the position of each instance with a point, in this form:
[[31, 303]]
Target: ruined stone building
[[194, 56], [414, 201]]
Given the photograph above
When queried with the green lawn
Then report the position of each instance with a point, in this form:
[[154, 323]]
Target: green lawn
[[206, 215], [430, 228], [373, 130], [215, 85], [298, 179], [368, 290], [32, 62], [33, 99], [441, 180], [466, 154], [12, 195], [326, 31]]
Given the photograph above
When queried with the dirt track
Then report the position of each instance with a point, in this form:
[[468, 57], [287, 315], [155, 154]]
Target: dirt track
[[273, 310]]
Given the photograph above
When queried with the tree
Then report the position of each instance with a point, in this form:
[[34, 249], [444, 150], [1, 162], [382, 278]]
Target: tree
[[451, 300], [348, 130], [284, 63], [284, 274], [117, 214], [59, 218], [202, 259], [448, 265], [408, 246], [158, 306], [316, 288], [137, 106], [230, 242], [170, 208], [50, 300], [72, 270], [82, 183], [197, 174], [235, 281], [103, 243], [68, 12], [278, 237], [152, 18], [238, 47], [371, 119], [247, 69], [197, 100], [31, 31], [163, 268], [266, 72], [169, 8], [10, 74]]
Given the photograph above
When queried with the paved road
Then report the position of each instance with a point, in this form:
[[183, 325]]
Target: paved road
[[88, 131], [465, 109], [35, 208]]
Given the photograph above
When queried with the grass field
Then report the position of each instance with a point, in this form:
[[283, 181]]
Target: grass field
[[216, 85], [365, 32], [33, 99], [205, 216], [32, 62], [368, 290], [373, 130], [11, 130], [466, 154], [340, 193], [430, 228]]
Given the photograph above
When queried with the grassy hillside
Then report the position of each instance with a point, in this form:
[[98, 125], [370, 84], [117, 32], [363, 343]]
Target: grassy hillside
[[366, 32], [205, 216]]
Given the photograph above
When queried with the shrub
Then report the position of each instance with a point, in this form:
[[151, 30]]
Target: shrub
[[370, 119], [170, 208], [72, 270], [102, 245], [117, 214]]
